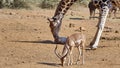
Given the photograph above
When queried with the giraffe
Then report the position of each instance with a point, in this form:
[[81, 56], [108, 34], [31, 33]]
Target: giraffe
[[115, 6], [56, 20], [116, 3], [113, 10], [64, 5], [93, 5]]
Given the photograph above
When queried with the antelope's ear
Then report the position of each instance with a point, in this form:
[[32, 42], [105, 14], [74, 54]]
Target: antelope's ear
[[50, 19]]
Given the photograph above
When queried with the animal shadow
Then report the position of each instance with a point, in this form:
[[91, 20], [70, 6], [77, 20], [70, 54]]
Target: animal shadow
[[43, 41], [50, 64], [77, 18]]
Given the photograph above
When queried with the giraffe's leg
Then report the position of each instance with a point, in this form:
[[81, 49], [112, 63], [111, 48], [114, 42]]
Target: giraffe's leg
[[101, 24], [94, 14], [110, 12], [91, 12], [115, 13]]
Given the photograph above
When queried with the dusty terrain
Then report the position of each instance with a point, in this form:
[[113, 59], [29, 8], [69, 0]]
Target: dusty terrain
[[26, 40]]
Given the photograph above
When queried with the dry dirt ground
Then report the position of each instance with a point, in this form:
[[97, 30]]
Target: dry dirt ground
[[26, 40]]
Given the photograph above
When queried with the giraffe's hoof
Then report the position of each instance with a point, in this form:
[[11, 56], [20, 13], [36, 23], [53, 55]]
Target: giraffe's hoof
[[91, 47]]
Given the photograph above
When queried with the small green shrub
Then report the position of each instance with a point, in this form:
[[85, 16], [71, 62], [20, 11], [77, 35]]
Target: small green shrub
[[84, 2], [1, 5], [13, 4], [50, 4], [20, 4]]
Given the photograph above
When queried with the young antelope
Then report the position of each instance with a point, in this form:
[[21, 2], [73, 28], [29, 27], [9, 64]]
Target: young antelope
[[74, 40]]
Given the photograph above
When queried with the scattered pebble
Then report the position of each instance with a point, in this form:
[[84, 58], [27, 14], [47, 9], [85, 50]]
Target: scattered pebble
[[23, 62], [71, 25], [116, 31], [82, 29], [11, 13], [35, 29], [104, 59], [118, 45]]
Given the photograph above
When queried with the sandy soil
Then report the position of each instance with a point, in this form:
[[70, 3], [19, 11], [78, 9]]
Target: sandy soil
[[26, 40]]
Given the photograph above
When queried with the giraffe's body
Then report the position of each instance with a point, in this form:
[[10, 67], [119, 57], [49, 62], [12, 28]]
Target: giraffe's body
[[64, 5]]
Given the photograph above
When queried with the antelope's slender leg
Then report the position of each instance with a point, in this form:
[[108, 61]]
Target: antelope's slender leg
[[79, 56], [71, 56], [68, 57], [83, 44]]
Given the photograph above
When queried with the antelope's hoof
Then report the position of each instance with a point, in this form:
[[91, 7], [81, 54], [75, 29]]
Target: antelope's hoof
[[68, 64], [77, 63]]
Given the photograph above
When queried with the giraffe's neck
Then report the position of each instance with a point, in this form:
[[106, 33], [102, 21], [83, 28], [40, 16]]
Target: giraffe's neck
[[56, 20], [63, 6]]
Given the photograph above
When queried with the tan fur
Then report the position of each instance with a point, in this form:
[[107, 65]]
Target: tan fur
[[74, 40]]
